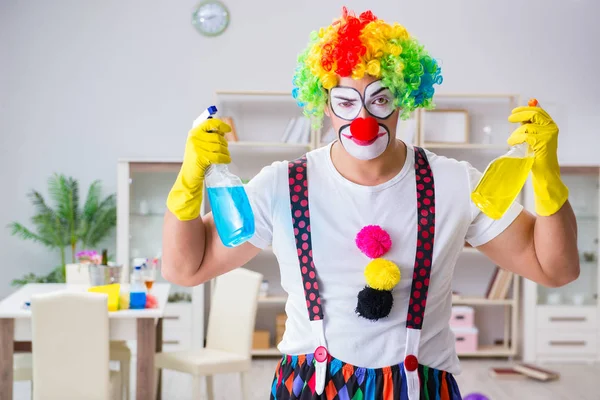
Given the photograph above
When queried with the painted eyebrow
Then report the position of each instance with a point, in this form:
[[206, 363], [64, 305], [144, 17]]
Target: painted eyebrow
[[344, 98], [381, 89]]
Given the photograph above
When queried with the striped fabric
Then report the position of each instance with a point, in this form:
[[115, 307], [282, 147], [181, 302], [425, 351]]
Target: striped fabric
[[294, 379]]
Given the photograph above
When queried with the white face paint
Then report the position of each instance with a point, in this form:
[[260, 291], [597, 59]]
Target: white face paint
[[365, 150], [347, 103]]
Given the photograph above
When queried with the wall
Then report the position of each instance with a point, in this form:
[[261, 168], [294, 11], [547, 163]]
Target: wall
[[85, 83]]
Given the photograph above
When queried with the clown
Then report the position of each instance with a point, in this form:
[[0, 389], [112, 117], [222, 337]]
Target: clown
[[367, 229]]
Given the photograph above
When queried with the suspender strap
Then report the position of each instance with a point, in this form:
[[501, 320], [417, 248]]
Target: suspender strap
[[425, 234], [301, 221], [298, 183], [422, 270]]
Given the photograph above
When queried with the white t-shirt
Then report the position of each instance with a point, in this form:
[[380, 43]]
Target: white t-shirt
[[339, 209]]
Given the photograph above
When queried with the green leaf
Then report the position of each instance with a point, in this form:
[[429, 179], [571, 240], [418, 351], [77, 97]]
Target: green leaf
[[25, 234], [104, 222], [64, 191], [47, 221]]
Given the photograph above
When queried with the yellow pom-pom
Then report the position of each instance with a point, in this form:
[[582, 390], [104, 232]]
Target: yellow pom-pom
[[382, 274]]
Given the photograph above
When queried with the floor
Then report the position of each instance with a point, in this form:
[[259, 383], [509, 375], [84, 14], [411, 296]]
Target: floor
[[577, 382]]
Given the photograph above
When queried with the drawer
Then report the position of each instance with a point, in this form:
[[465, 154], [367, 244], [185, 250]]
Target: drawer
[[567, 318], [180, 339], [178, 316], [583, 343]]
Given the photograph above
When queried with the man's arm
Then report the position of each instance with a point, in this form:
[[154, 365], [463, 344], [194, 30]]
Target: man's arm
[[540, 248], [194, 254]]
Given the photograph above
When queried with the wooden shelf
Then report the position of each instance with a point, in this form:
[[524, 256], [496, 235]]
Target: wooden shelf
[[482, 301], [266, 352]]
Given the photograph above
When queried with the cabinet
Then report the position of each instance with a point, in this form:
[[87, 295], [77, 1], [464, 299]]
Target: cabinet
[[561, 324], [142, 189], [177, 327]]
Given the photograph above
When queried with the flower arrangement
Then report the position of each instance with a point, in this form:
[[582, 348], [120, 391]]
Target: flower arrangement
[[88, 257]]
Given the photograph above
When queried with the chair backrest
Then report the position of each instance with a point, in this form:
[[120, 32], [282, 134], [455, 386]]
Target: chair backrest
[[70, 346], [233, 311]]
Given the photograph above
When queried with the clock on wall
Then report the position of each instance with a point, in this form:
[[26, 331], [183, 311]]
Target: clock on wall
[[210, 17]]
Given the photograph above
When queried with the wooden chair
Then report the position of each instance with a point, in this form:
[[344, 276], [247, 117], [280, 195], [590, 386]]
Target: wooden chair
[[230, 332]]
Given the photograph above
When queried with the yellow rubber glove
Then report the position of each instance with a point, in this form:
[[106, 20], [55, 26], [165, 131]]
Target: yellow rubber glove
[[541, 133], [205, 145]]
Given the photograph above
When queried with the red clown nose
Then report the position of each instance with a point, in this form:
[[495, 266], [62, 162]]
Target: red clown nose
[[364, 129]]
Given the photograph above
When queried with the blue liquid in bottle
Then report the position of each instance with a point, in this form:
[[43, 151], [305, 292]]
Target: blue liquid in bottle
[[137, 292], [230, 206]]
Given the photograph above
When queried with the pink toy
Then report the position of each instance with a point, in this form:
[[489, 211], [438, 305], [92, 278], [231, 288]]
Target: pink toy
[[151, 301], [373, 241]]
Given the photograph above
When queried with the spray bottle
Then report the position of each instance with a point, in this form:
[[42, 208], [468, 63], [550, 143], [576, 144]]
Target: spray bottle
[[229, 202], [504, 178]]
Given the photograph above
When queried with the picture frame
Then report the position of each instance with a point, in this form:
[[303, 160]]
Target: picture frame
[[449, 126]]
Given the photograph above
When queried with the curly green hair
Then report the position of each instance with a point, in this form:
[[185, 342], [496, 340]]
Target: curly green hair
[[357, 46]]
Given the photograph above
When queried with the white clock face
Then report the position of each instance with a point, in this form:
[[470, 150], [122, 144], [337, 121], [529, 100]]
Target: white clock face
[[210, 18]]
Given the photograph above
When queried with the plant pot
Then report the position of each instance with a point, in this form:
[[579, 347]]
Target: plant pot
[[104, 274]]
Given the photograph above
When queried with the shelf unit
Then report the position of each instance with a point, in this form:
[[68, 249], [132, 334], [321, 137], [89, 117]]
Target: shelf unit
[[563, 324], [260, 117], [142, 187], [486, 113], [486, 129]]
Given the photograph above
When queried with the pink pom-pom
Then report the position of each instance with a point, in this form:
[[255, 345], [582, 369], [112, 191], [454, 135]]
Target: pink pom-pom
[[373, 241]]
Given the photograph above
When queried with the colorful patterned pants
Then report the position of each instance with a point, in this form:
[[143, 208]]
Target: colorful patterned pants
[[295, 379]]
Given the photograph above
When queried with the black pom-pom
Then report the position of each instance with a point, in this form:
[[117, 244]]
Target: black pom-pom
[[374, 304]]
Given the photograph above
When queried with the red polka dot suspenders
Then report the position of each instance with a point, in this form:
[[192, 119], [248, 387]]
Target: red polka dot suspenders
[[298, 184]]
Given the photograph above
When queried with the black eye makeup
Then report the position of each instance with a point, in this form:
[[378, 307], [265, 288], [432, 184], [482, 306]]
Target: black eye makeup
[[346, 102], [379, 100]]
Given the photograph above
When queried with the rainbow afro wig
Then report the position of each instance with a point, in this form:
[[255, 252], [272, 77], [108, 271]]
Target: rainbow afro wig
[[365, 45]]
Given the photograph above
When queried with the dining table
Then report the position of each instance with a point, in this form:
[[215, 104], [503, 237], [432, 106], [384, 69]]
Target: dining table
[[141, 325]]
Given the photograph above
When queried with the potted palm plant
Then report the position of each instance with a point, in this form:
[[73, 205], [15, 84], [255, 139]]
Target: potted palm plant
[[66, 224]]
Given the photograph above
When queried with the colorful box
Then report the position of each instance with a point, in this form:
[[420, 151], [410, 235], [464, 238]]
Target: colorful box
[[466, 339], [462, 317]]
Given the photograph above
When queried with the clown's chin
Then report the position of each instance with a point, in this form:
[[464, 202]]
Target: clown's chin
[[364, 151]]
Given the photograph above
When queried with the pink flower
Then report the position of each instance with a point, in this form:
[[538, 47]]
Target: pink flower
[[373, 241]]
